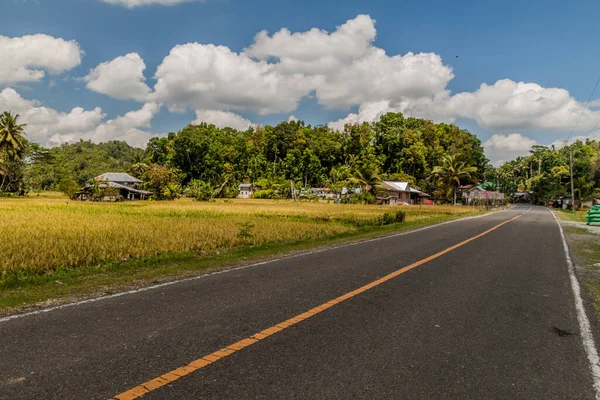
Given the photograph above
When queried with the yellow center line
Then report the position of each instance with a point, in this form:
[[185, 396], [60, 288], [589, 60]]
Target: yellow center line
[[175, 374]]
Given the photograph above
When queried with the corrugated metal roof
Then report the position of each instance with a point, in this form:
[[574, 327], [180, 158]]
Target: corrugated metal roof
[[117, 177], [399, 186], [119, 186]]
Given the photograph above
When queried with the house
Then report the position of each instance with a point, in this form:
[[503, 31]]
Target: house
[[324, 193], [125, 187], [478, 193], [246, 190], [566, 203], [525, 197], [400, 193]]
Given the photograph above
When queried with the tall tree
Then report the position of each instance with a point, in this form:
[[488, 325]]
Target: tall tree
[[451, 173], [12, 136]]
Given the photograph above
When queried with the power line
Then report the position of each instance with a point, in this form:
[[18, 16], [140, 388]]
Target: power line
[[582, 111]]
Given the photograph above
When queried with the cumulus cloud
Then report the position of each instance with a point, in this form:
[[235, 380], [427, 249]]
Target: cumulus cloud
[[27, 58], [504, 106], [316, 51], [368, 112], [139, 3], [222, 119], [272, 75], [122, 78], [501, 148], [347, 69], [508, 105], [51, 127], [202, 76]]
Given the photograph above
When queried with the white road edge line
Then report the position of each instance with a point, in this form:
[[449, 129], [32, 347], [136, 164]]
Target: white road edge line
[[193, 278], [587, 337]]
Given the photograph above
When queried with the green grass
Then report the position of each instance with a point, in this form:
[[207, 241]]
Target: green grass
[[68, 284], [568, 215], [586, 248]]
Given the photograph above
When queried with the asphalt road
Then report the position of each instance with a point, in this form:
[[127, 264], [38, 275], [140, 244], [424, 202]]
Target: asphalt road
[[491, 319]]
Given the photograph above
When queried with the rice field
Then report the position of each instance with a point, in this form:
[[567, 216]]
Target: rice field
[[40, 234]]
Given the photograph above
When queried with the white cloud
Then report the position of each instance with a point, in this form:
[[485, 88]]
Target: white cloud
[[126, 127], [347, 69], [122, 78], [222, 119], [368, 112], [50, 127], [292, 118], [502, 107], [594, 103], [201, 76], [517, 105], [501, 148], [343, 68], [316, 51], [27, 58], [139, 3]]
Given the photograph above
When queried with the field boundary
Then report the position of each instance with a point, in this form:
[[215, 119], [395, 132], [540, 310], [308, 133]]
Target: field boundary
[[225, 270]]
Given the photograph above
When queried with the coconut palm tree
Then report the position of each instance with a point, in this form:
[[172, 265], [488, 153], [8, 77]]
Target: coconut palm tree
[[366, 176], [450, 173], [12, 136]]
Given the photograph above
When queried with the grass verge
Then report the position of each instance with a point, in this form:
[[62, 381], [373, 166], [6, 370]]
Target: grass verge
[[585, 249], [67, 285], [568, 215]]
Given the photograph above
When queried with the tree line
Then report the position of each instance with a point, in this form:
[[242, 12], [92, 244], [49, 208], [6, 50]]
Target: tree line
[[205, 161], [545, 172]]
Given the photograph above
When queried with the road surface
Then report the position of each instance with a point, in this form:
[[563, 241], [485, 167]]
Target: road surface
[[485, 310]]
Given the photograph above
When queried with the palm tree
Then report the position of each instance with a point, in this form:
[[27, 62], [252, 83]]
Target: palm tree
[[367, 177], [12, 136], [451, 172]]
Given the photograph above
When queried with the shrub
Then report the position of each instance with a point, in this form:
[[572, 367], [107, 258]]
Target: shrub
[[400, 216], [162, 181], [263, 194], [387, 219], [200, 190], [69, 187]]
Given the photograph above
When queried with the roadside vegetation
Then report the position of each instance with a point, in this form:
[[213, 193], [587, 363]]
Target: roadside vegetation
[[569, 215], [545, 172], [585, 248]]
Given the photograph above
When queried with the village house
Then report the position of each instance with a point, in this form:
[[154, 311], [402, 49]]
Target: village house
[[400, 193], [324, 193], [246, 190], [472, 193], [125, 187]]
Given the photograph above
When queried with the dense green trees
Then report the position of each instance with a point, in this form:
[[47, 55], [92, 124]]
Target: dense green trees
[[80, 162], [545, 172], [361, 155], [450, 173], [271, 157]]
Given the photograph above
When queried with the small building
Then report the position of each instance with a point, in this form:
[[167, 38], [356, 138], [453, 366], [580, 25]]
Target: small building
[[246, 190], [324, 193], [125, 187], [395, 193], [478, 193], [566, 203]]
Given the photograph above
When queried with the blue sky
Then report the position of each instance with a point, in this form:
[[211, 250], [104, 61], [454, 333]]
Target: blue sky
[[546, 43]]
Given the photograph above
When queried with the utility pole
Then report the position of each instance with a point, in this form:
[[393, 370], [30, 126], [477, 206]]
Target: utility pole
[[572, 186]]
